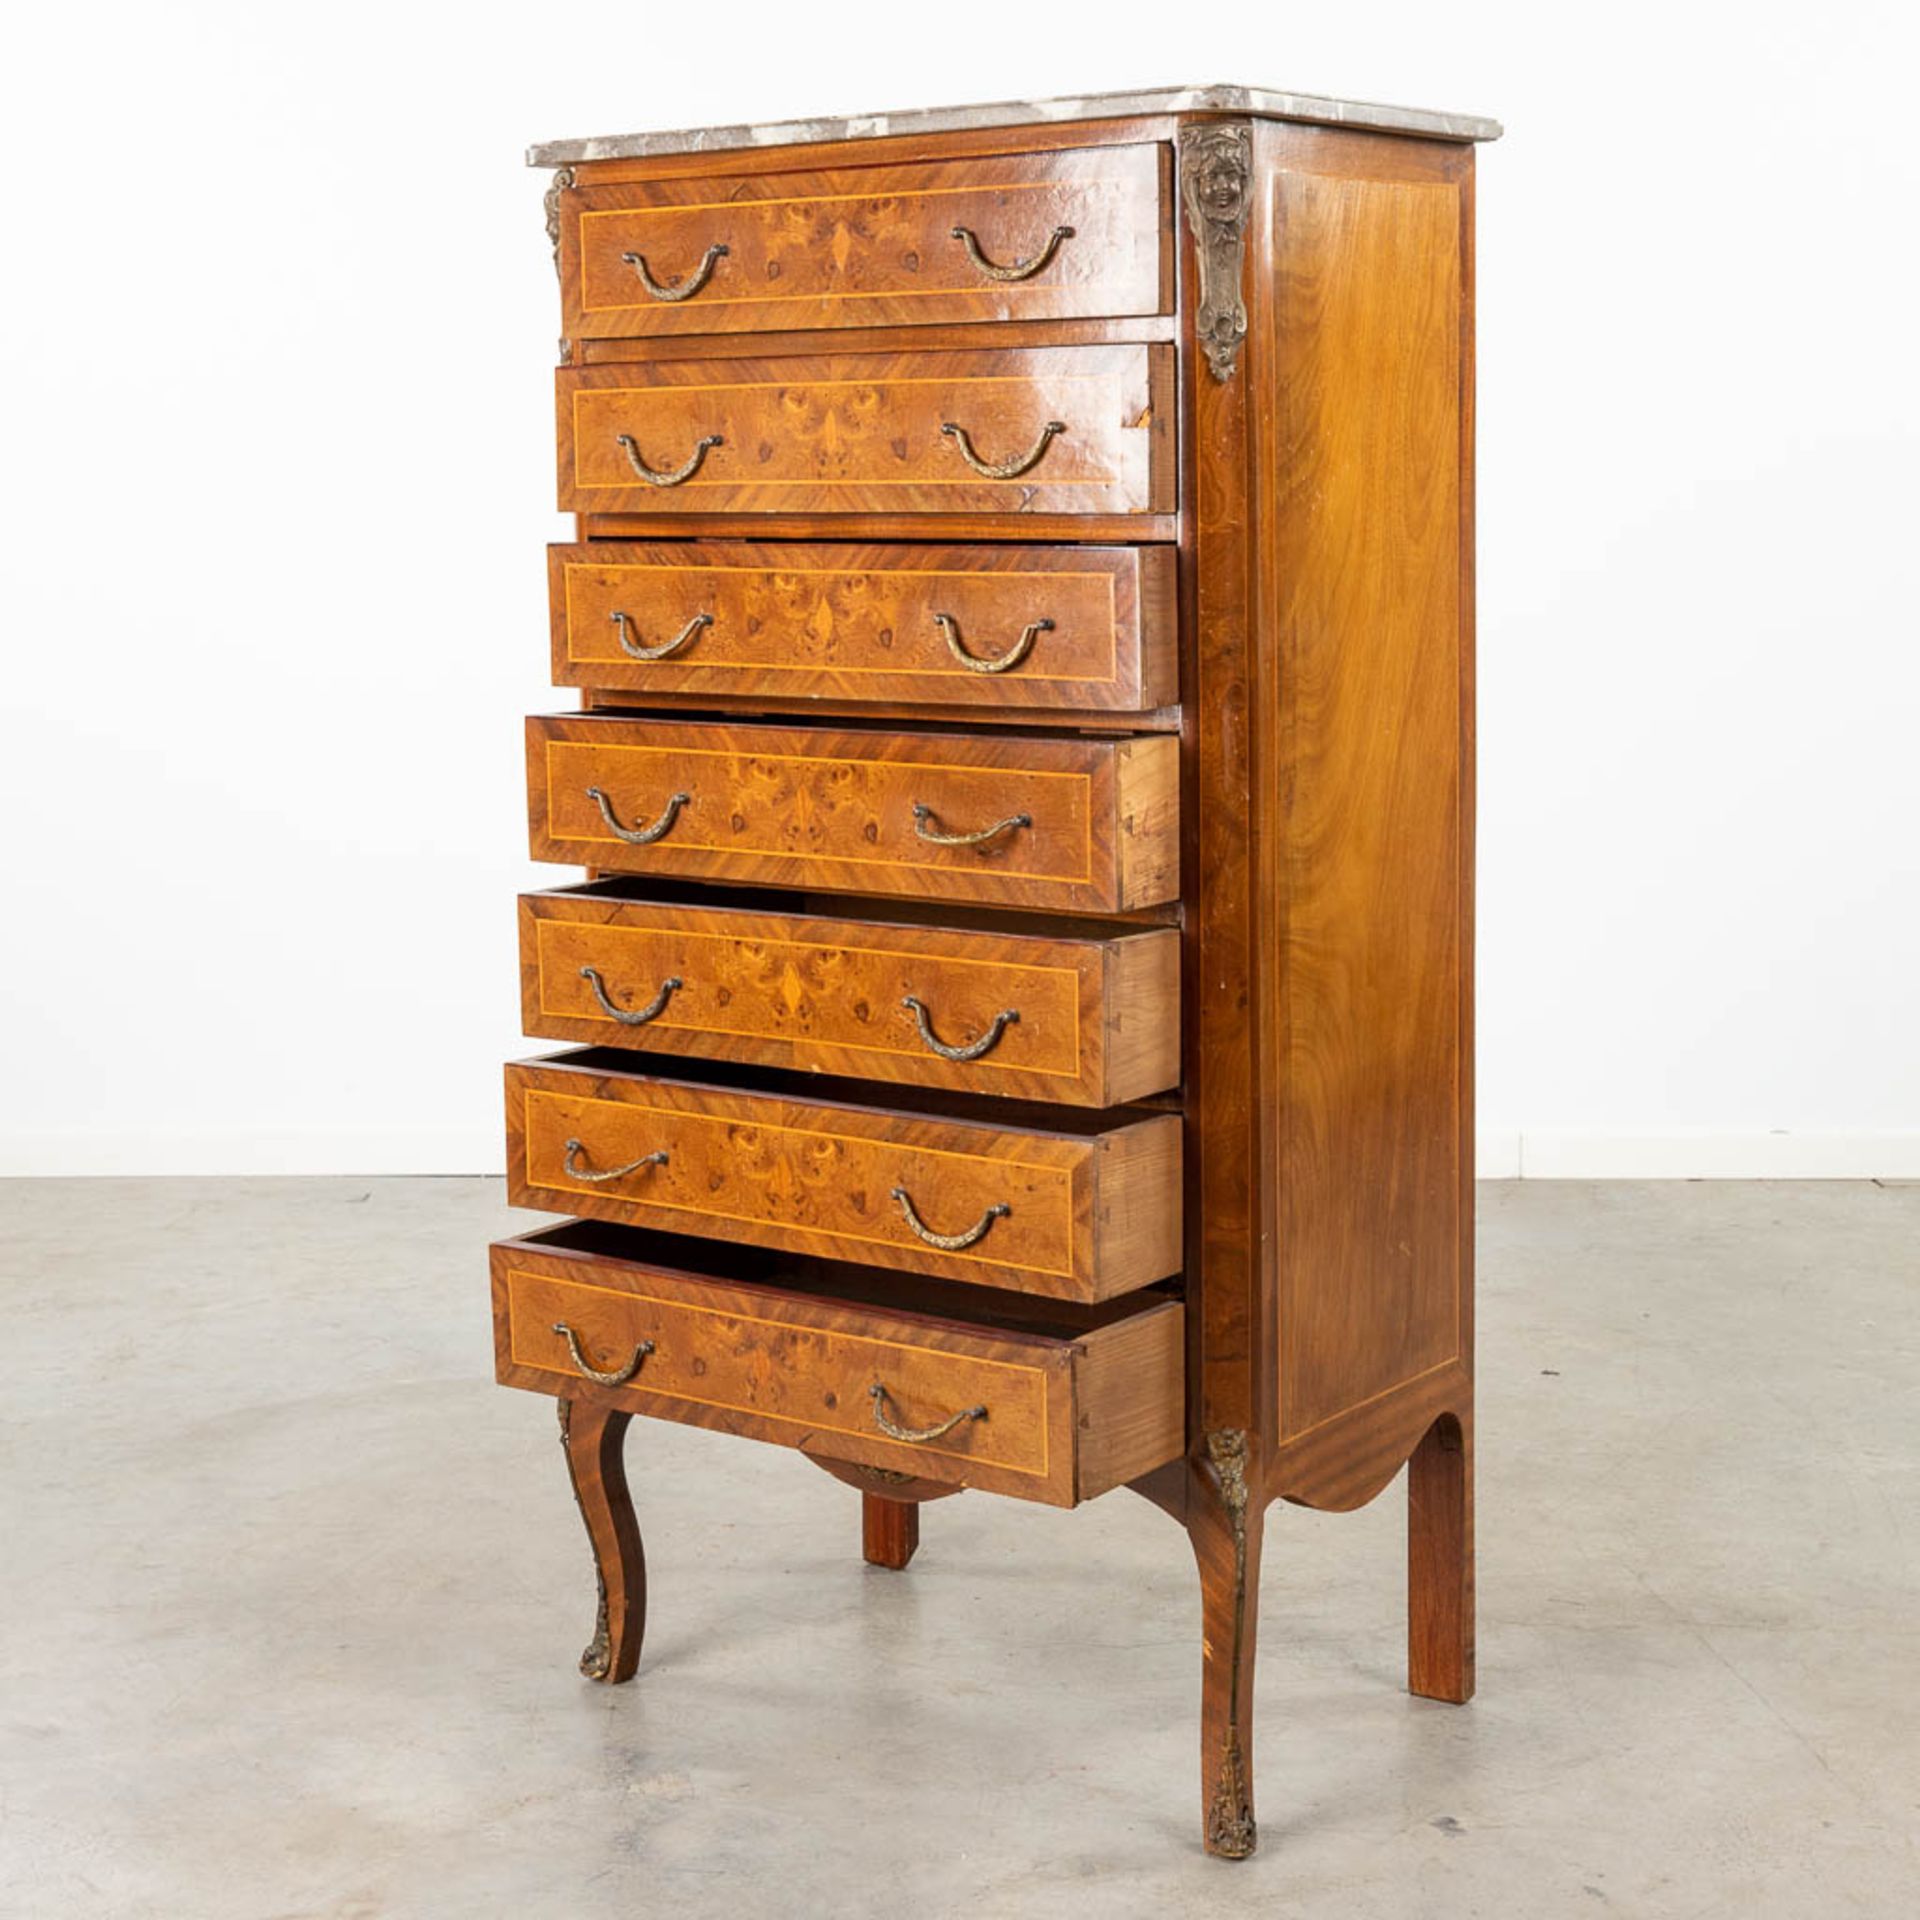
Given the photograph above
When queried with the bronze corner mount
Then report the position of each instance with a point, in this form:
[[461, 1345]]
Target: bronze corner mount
[[1227, 1449], [1231, 1831], [1216, 175], [550, 200], [597, 1661]]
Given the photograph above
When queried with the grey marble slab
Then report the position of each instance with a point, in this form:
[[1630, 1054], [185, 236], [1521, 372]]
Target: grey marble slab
[[1257, 101]]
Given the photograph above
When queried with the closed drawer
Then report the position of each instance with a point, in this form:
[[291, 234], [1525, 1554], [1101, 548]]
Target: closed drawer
[[1042, 1401], [1086, 825], [1011, 237], [1079, 1208], [1090, 1022], [969, 627], [1071, 430]]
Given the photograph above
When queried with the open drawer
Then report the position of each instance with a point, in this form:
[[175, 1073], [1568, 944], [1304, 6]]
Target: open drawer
[[1039, 1399]]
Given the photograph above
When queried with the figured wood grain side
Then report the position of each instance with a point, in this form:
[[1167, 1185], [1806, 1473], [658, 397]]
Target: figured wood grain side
[[1362, 434]]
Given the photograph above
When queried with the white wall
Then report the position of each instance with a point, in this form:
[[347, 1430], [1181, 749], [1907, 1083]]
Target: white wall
[[277, 475]]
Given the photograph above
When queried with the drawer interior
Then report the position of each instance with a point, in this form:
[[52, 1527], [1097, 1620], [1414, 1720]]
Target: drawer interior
[[828, 1090], [939, 1302], [880, 911]]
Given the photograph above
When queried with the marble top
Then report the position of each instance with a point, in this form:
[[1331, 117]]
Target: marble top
[[1256, 101]]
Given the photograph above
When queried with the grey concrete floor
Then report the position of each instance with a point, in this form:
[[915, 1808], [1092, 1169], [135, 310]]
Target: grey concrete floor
[[291, 1595]]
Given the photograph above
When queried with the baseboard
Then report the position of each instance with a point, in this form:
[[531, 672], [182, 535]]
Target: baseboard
[[1557, 1153], [1545, 1153], [1498, 1154], [349, 1150]]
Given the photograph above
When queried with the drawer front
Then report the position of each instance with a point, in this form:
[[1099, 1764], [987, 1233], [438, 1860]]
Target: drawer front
[[1080, 1216], [1082, 825], [969, 627], [1047, 1415], [1071, 430], [1088, 1022], [945, 241]]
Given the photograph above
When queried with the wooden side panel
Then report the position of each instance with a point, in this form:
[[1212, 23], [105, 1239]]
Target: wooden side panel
[[1069, 430], [1364, 439]]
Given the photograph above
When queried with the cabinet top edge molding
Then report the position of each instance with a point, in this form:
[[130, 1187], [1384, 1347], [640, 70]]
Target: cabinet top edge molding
[[1259, 102]]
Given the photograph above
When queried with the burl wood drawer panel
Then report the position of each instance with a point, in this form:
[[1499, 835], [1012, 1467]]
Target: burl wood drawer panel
[[969, 627], [1089, 1022], [1046, 1402], [1080, 1212], [1012, 237], [1083, 825], [1070, 430]]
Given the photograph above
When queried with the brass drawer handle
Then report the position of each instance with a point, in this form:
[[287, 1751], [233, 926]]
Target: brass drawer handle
[[1021, 269], [575, 1148], [981, 662], [688, 287], [977, 1051], [935, 838], [915, 1435], [640, 1016], [1007, 469], [661, 478], [618, 1379], [951, 1242], [639, 836], [667, 648]]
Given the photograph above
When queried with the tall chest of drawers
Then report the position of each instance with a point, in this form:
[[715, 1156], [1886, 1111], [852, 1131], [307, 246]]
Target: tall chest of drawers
[[1018, 1021]]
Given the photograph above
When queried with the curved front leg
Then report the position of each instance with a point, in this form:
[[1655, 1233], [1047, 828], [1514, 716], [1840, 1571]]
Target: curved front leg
[[593, 1438], [1224, 1523]]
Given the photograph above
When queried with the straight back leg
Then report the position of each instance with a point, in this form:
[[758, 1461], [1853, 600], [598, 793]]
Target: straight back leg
[[889, 1530], [1440, 1561]]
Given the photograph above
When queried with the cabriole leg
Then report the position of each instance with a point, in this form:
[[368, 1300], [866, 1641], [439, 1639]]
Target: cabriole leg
[[1440, 1562], [1225, 1525], [592, 1437]]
